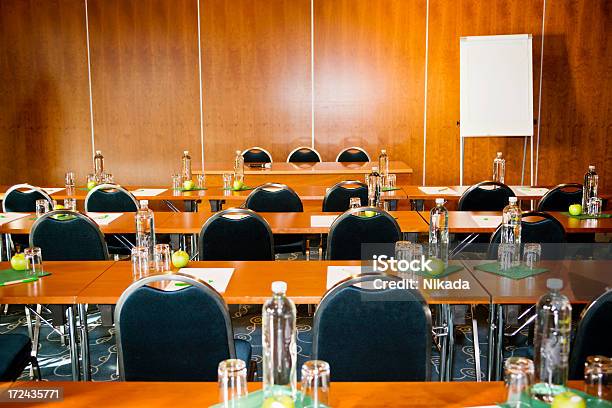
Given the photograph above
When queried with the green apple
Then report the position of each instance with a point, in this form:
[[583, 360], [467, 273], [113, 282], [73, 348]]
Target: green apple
[[180, 259], [59, 207], [188, 185], [575, 209], [18, 262], [91, 184], [568, 399], [238, 184], [437, 267], [281, 401], [369, 213]]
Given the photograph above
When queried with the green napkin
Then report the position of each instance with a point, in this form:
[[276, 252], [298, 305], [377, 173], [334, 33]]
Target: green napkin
[[243, 188], [391, 188], [517, 272], [193, 189], [587, 216], [255, 400], [450, 269], [11, 275], [591, 401]]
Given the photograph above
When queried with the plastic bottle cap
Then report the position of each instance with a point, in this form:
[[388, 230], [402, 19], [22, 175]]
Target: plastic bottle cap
[[439, 201], [591, 167], [185, 152], [512, 200], [237, 152], [499, 154], [144, 202], [554, 284], [98, 151], [374, 168], [279, 287], [383, 151]]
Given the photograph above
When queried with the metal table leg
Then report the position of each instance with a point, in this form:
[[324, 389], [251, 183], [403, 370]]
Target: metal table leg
[[492, 323], [216, 205], [74, 352], [443, 339], [499, 343], [86, 361], [451, 341], [475, 339]]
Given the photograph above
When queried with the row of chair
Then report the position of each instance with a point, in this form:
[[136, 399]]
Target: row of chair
[[305, 154]]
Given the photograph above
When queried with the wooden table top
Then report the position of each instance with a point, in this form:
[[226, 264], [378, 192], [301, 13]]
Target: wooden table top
[[342, 394], [453, 193], [251, 282], [397, 167], [583, 281], [66, 281]]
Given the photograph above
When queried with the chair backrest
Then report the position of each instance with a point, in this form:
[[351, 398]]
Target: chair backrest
[[172, 335], [373, 335], [353, 154], [256, 155], [337, 198], [274, 197], [110, 198], [22, 198], [593, 335], [485, 196], [561, 197], [65, 235], [304, 155], [546, 230], [236, 234], [354, 228]]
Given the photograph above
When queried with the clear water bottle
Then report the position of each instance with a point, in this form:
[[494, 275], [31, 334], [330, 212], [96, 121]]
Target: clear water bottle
[[551, 341], [279, 344], [589, 190], [238, 167], [383, 163], [98, 166], [374, 187], [186, 166], [438, 232], [145, 228], [511, 229], [499, 168]]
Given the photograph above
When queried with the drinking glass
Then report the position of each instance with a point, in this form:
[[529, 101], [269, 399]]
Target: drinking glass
[[34, 265], [162, 258], [70, 204], [391, 180], [384, 181], [597, 373], [232, 375], [54, 204], [176, 182], [383, 205], [355, 202], [416, 252], [227, 181], [140, 262], [403, 250], [42, 207], [70, 180], [201, 179], [91, 177], [505, 255], [594, 206], [107, 178], [315, 384], [518, 377], [532, 253]]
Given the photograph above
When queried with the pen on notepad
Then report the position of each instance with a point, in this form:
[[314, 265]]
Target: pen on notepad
[[19, 281], [442, 189]]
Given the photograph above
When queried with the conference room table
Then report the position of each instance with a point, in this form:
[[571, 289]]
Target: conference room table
[[204, 394]]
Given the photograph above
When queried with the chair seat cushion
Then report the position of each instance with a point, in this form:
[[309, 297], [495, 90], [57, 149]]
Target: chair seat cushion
[[14, 355], [243, 350]]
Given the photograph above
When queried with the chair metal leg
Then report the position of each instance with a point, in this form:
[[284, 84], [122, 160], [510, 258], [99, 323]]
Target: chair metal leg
[[74, 352], [35, 369], [6, 307], [491, 354], [36, 331], [475, 339], [500, 343], [86, 361], [442, 340], [451, 341]]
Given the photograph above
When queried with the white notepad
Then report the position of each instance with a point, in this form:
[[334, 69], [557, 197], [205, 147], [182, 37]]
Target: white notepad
[[336, 274], [104, 218], [537, 191], [218, 278], [487, 221], [11, 216], [52, 190], [148, 192], [437, 190], [322, 221]]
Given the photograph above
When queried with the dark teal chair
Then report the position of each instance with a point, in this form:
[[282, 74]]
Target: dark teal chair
[[352, 154], [15, 356], [338, 197], [176, 335], [561, 197], [485, 196], [304, 155], [373, 335], [23, 197], [256, 155]]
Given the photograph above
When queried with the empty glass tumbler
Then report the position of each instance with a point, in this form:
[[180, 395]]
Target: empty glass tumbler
[[518, 377], [315, 384], [162, 258], [532, 253], [70, 180], [34, 263], [70, 204], [201, 179], [227, 181], [140, 262], [354, 202], [391, 181], [597, 374], [176, 182], [42, 207], [594, 205], [506, 255], [232, 376]]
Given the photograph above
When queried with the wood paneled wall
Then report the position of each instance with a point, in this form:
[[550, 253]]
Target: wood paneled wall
[[369, 83]]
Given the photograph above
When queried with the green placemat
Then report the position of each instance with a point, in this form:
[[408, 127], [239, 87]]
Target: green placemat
[[517, 272], [243, 188], [11, 275], [391, 188], [587, 216], [255, 400], [591, 401], [449, 270], [193, 189]]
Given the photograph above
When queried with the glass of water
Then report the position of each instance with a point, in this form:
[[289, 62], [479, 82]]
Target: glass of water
[[403, 250], [176, 182], [162, 258], [70, 180], [355, 202], [594, 206], [34, 265], [227, 181], [42, 207], [506, 255], [232, 376], [518, 377], [70, 204], [315, 384], [532, 253], [107, 178], [391, 180], [201, 180], [597, 374], [140, 262]]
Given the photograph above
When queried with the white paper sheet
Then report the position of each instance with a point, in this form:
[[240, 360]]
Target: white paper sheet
[[148, 192], [53, 190], [336, 274], [460, 189], [323, 221], [487, 221], [11, 216], [104, 218], [437, 190], [537, 191], [218, 278]]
